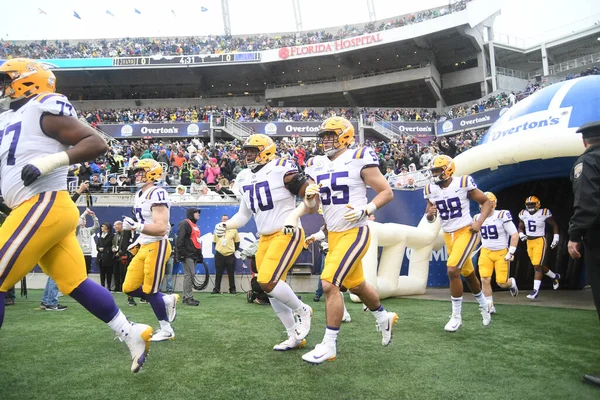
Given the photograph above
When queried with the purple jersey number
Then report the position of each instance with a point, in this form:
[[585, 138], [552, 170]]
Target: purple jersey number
[[338, 194], [259, 193], [489, 232], [16, 130], [449, 209]]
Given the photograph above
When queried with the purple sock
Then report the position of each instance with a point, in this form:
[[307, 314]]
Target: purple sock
[[96, 300], [137, 293], [2, 306], [158, 305]]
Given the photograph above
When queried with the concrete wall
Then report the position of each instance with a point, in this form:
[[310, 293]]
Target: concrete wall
[[462, 78], [510, 83]]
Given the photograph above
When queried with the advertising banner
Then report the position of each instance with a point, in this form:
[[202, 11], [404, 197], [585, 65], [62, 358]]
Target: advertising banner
[[294, 128], [475, 121], [119, 131]]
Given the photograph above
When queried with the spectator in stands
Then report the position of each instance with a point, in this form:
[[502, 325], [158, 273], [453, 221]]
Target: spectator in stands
[[211, 171], [85, 173], [112, 185], [197, 186], [96, 184], [426, 158], [104, 258], [84, 236]]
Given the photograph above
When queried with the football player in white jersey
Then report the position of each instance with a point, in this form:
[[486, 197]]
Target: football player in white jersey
[[340, 177], [532, 228], [269, 188], [41, 136], [448, 197], [496, 231], [147, 268]]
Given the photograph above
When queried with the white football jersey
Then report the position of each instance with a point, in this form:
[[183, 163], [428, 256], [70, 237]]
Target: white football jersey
[[496, 230], [22, 140], [265, 194], [535, 225], [342, 185], [452, 202], [144, 201]]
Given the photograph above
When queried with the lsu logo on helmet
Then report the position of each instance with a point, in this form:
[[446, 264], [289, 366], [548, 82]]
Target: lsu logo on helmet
[[266, 150], [532, 204], [343, 131], [153, 171], [26, 78], [441, 168]]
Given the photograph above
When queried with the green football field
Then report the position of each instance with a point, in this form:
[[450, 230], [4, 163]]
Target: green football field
[[223, 350]]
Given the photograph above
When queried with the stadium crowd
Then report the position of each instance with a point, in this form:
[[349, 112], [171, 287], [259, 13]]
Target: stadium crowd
[[134, 47], [194, 170]]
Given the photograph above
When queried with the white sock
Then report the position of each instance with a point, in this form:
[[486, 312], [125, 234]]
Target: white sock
[[331, 334], [551, 274], [344, 303], [513, 283], [168, 299], [285, 315], [536, 284], [456, 305], [480, 299], [165, 326], [284, 293], [490, 299], [380, 314], [118, 323]]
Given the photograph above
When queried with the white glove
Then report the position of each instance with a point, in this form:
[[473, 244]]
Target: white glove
[[312, 190], [554, 241], [355, 215], [220, 229], [522, 236], [289, 225], [510, 256], [129, 224]]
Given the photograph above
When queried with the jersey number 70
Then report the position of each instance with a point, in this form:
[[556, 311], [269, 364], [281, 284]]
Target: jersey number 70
[[259, 193]]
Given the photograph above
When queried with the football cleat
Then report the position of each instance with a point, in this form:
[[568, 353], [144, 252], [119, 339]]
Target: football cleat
[[514, 290], [290, 344], [346, 317], [454, 324], [303, 319], [163, 334], [533, 295], [172, 308], [386, 328], [324, 351], [492, 310], [486, 315], [556, 281], [137, 338]]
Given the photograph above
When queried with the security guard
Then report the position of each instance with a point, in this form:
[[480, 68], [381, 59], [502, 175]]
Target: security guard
[[585, 222]]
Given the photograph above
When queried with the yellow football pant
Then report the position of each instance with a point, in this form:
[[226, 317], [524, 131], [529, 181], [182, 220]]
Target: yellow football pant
[[490, 260], [276, 254], [343, 264], [147, 267], [460, 245], [41, 231]]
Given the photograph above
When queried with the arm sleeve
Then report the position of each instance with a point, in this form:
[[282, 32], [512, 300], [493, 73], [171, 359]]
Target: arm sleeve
[[586, 206], [240, 218], [75, 196], [509, 227]]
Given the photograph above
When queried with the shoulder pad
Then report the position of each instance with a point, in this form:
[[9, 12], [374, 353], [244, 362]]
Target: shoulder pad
[[54, 103]]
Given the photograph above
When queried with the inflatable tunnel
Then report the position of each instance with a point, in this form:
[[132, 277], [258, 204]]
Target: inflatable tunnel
[[530, 150]]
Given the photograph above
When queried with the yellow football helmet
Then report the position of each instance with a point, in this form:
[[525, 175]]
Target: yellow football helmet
[[492, 198], [342, 128], [266, 150], [441, 168], [26, 78], [153, 171], [532, 204]]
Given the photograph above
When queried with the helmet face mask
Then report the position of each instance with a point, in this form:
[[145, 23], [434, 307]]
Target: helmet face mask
[[441, 169], [336, 133], [532, 204], [147, 171], [259, 150], [24, 78]]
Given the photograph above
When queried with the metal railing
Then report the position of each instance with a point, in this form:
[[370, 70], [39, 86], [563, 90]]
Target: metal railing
[[231, 126], [576, 63], [386, 128]]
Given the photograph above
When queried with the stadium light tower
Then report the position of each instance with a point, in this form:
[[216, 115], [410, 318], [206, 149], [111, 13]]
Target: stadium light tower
[[371, 8], [226, 23], [297, 15]]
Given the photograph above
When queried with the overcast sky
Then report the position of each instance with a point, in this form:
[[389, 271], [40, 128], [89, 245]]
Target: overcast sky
[[41, 19]]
